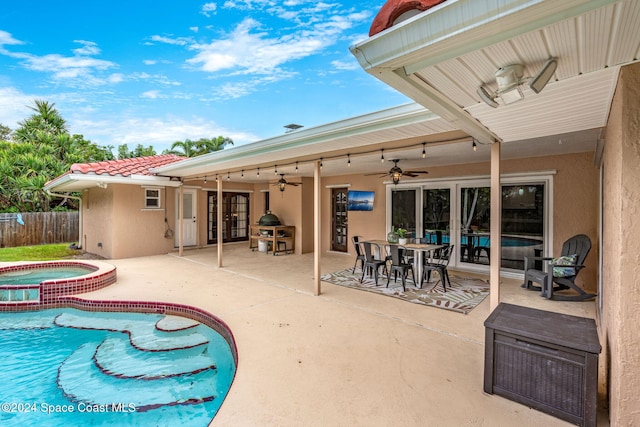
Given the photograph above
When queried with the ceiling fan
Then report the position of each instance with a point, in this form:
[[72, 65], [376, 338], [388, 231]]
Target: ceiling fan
[[282, 183], [396, 172]]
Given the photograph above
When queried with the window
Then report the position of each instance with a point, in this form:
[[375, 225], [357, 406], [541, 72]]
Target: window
[[152, 198]]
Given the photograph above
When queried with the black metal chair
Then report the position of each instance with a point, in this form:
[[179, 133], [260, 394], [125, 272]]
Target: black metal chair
[[370, 262], [561, 273], [359, 254], [439, 263], [398, 265]]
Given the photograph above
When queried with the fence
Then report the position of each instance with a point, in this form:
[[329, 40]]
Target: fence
[[39, 228]]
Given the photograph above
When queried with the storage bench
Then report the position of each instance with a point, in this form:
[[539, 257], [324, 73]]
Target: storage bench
[[545, 360]]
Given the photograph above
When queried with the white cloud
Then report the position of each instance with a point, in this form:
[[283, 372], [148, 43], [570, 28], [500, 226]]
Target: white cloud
[[180, 41], [160, 132], [152, 94], [149, 62], [208, 8], [345, 65], [248, 52], [14, 106], [87, 49], [7, 38], [194, 29]]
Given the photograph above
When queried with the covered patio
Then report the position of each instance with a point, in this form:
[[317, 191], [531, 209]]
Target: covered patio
[[345, 358]]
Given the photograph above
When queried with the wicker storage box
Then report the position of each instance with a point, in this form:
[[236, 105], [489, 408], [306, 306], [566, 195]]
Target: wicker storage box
[[545, 360]]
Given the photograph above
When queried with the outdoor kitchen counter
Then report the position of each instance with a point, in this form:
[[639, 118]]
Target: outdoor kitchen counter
[[282, 238]]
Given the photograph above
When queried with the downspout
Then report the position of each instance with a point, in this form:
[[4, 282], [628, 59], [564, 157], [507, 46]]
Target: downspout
[[79, 199]]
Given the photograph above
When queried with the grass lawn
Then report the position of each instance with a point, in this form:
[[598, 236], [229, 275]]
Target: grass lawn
[[37, 253]]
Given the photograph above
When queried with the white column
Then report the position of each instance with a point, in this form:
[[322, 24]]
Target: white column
[[317, 199], [180, 220], [219, 221], [496, 224]]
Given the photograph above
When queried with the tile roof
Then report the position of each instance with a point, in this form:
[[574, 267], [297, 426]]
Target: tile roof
[[126, 167]]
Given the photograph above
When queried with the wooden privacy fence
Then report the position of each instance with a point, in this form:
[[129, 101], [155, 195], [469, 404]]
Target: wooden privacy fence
[[39, 228]]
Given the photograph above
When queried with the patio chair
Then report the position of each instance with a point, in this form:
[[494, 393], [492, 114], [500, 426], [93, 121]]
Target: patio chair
[[398, 265], [359, 254], [561, 272], [370, 262], [439, 263]]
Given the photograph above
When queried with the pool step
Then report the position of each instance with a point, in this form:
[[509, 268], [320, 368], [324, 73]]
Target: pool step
[[81, 381], [142, 335], [115, 356]]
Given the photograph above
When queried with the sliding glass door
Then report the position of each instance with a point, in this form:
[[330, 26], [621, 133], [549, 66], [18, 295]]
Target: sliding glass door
[[458, 212]]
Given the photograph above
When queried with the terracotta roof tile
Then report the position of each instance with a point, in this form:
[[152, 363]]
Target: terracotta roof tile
[[126, 167]]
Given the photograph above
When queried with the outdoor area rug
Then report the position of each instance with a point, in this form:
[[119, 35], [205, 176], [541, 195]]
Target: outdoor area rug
[[463, 295]]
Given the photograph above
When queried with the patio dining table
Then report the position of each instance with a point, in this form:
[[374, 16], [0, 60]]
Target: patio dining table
[[421, 249]]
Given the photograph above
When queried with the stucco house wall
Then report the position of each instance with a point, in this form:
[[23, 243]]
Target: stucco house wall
[[575, 201], [621, 248], [97, 221], [139, 231]]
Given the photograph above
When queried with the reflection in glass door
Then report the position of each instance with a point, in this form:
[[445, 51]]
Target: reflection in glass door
[[522, 229], [403, 210], [235, 217], [436, 213], [339, 219]]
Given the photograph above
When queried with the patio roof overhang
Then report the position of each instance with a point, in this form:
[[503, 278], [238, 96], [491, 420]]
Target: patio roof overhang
[[441, 56]]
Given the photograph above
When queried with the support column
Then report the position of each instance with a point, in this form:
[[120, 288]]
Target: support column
[[496, 227], [180, 219], [219, 221], [317, 199]]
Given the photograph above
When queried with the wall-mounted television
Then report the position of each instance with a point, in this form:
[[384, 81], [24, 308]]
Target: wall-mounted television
[[360, 200]]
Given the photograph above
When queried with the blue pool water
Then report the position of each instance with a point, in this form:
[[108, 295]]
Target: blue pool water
[[37, 275], [53, 372]]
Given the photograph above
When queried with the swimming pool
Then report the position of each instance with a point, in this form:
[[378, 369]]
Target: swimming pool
[[32, 283], [73, 367]]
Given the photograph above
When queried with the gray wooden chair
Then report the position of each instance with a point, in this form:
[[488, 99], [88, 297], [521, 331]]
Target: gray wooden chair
[[560, 276]]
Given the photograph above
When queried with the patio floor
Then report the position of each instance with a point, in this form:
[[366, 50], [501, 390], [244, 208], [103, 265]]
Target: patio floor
[[345, 358]]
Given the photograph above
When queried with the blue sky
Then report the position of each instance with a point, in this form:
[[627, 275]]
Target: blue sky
[[153, 72]]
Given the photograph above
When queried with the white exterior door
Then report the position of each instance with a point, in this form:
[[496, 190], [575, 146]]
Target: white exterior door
[[189, 218]]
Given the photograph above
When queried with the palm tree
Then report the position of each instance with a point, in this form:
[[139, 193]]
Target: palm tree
[[190, 148], [46, 120]]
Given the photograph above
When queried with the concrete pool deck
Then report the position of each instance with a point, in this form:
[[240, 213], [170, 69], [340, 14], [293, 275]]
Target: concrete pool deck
[[344, 358]]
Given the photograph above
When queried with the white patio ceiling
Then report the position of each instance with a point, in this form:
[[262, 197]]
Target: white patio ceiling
[[441, 56]]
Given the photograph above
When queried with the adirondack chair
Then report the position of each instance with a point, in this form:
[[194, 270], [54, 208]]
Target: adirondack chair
[[561, 272]]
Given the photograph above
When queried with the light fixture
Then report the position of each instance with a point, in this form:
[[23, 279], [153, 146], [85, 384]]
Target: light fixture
[[282, 184], [296, 166], [540, 80], [242, 174], [521, 191], [320, 162], [258, 173], [475, 146], [396, 174], [382, 156], [348, 160], [509, 79], [228, 176], [275, 169], [205, 179], [424, 153]]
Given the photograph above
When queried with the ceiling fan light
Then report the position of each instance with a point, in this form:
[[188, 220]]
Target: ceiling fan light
[[395, 177], [282, 185]]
